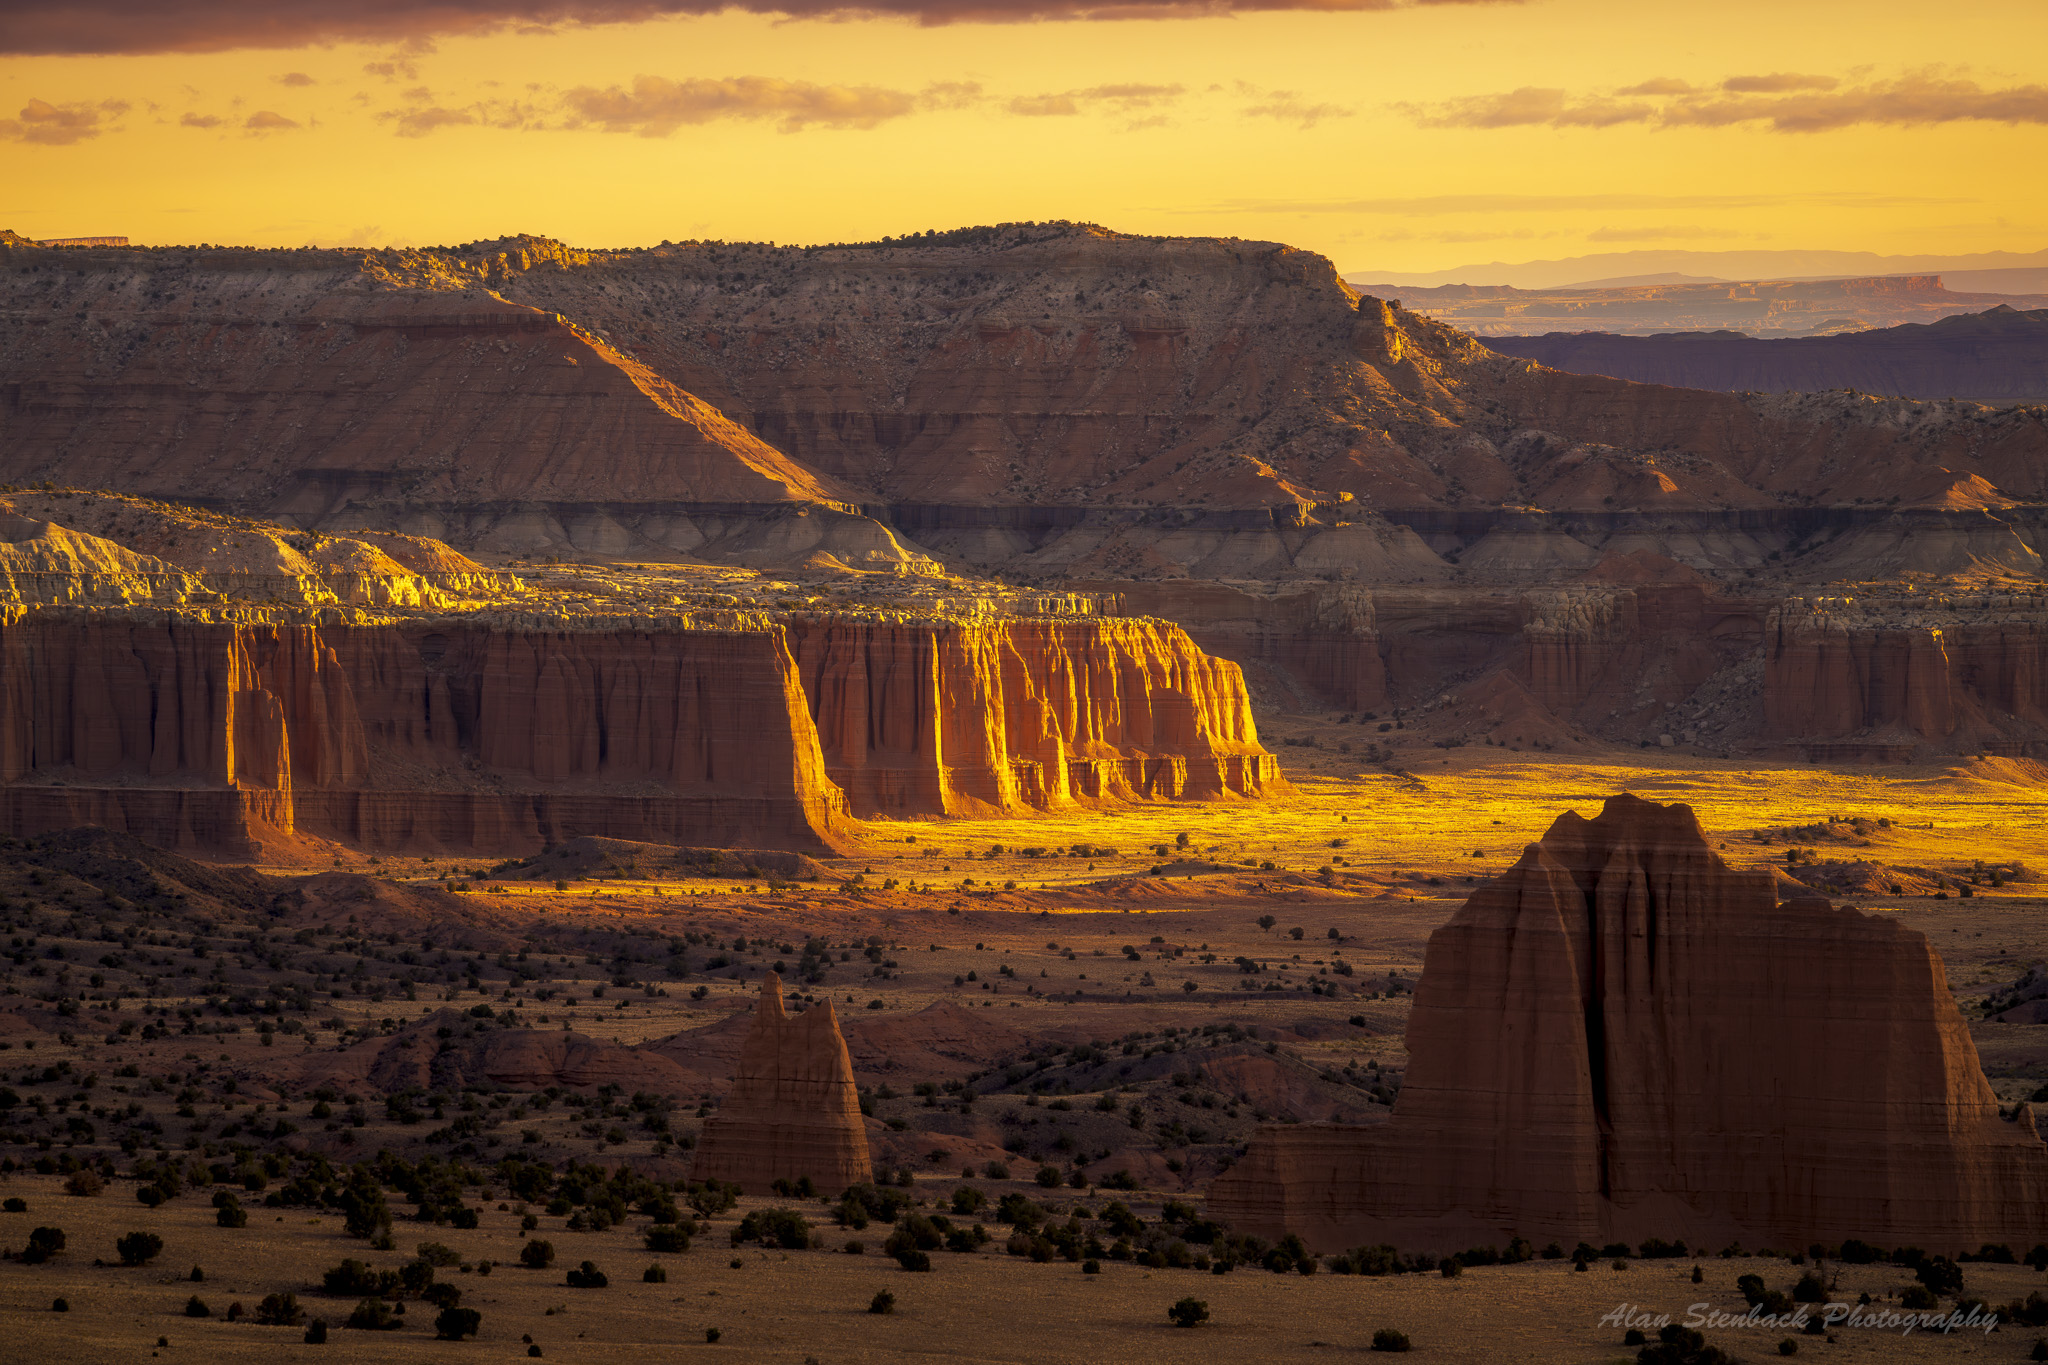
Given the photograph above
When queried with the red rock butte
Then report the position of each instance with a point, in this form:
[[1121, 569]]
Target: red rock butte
[[793, 1110], [1624, 1038]]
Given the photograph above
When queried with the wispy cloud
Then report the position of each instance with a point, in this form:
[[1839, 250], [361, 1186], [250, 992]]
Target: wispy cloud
[[1452, 205], [132, 26], [1783, 102], [654, 106], [60, 125], [1657, 234], [1129, 99]]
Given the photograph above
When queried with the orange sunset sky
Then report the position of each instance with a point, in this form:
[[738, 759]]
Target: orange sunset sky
[[1396, 136]]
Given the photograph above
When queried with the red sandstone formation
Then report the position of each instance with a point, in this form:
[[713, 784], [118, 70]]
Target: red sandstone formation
[[1625, 1038], [793, 1111], [1025, 713], [458, 735]]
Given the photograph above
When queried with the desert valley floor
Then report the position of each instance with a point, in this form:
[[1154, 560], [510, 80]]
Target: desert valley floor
[[1128, 1023]]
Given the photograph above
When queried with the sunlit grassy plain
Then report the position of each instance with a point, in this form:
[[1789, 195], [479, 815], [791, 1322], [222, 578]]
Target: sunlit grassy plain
[[1400, 831]]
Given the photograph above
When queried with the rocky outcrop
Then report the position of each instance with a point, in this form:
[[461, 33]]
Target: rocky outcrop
[[1020, 713], [1941, 673], [793, 1110], [1625, 1038]]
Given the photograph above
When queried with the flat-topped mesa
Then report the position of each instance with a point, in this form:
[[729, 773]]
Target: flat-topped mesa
[[793, 1111], [1625, 1038]]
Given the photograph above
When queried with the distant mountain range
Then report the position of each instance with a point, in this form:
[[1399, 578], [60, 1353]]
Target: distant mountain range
[[1999, 356], [1760, 308], [2003, 272]]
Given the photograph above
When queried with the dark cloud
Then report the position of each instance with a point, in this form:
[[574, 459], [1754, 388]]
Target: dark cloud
[[60, 125], [295, 78], [269, 121], [200, 121], [1784, 103], [129, 26]]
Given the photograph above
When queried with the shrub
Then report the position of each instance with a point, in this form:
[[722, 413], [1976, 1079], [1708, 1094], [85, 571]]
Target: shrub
[[1810, 1289], [1452, 1268], [711, 1334], [84, 1182], [454, 1324], [1387, 1339], [374, 1315], [1091, 1266], [280, 1310], [316, 1334], [1049, 1177], [884, 1302], [434, 1253], [665, 1237], [537, 1255], [1788, 1347], [1917, 1297], [350, 1279], [654, 1274], [588, 1276], [230, 1214], [1941, 1275], [43, 1243], [60, 1305], [1678, 1345], [138, 1248], [195, 1307], [1188, 1312], [785, 1228], [910, 1258], [15, 1206]]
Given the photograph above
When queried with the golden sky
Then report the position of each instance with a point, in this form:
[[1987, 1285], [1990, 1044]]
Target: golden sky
[[1403, 137]]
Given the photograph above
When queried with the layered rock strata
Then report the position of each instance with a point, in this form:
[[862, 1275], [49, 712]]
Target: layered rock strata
[[1625, 1038], [206, 706], [793, 1110]]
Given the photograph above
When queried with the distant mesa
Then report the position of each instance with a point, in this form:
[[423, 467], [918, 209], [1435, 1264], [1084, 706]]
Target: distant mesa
[[1999, 355], [1625, 1038], [793, 1110]]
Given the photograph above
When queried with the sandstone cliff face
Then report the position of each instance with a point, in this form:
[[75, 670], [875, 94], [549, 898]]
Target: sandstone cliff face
[[793, 1110], [205, 727], [185, 733], [1946, 675], [1023, 713], [1624, 1038]]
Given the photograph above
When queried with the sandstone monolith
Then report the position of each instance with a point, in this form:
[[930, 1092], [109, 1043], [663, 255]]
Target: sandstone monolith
[[1624, 1037], [793, 1110]]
